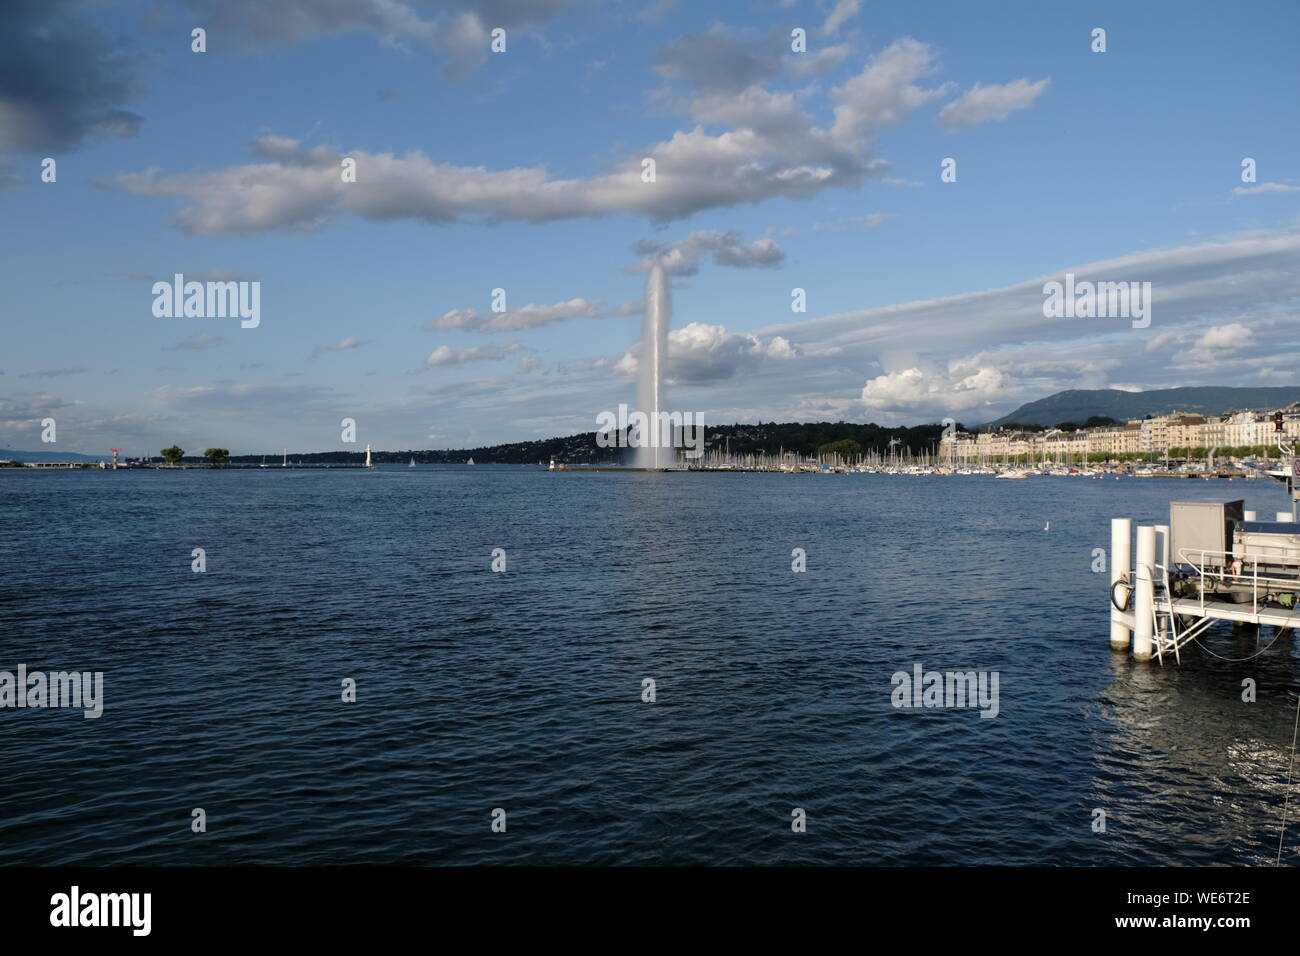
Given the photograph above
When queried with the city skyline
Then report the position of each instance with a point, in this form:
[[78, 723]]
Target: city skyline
[[776, 171]]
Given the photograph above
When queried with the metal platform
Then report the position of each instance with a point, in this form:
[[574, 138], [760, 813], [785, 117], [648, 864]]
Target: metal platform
[[1228, 611]]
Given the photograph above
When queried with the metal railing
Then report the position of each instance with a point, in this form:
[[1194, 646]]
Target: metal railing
[[1231, 570]]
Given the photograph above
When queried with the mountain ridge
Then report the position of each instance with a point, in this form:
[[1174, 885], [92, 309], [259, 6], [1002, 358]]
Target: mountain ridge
[[1079, 404]]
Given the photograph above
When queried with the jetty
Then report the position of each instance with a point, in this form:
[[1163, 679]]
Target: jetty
[[1213, 561]]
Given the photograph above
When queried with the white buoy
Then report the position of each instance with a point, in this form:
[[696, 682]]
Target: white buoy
[[1249, 516], [1144, 595], [1121, 546]]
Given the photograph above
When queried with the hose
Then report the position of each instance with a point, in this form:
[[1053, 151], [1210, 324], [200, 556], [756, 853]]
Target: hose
[[1115, 604]]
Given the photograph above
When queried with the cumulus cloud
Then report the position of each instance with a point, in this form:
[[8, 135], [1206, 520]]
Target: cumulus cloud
[[822, 60], [699, 353], [682, 256], [1215, 343], [21, 414], [958, 388], [770, 148], [445, 355], [724, 59], [980, 103], [62, 80], [886, 92]]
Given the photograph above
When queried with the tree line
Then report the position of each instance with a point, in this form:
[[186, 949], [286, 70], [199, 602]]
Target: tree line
[[174, 455]]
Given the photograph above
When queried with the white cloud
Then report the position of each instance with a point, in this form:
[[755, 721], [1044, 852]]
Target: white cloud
[[982, 103], [530, 316], [682, 256], [770, 147], [701, 353], [1262, 188], [445, 355], [842, 12], [885, 92], [343, 345], [959, 388]]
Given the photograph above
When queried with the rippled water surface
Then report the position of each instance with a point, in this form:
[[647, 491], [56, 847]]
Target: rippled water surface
[[522, 690]]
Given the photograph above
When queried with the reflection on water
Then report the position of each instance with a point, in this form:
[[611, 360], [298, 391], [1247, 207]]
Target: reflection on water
[[1187, 747]]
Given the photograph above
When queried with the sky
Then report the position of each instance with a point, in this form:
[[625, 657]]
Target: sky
[[524, 171]]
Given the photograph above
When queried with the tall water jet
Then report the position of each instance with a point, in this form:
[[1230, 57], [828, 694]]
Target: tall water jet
[[653, 358]]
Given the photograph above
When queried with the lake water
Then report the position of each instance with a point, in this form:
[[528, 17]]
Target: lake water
[[522, 690]]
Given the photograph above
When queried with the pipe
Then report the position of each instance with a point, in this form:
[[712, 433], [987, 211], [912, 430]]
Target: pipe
[[1121, 544], [1144, 596]]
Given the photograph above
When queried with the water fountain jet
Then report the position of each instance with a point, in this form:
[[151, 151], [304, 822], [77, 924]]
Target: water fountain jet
[[653, 358]]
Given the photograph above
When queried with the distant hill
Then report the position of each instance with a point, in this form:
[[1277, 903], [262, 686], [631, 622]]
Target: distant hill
[[1080, 404], [763, 438], [9, 454]]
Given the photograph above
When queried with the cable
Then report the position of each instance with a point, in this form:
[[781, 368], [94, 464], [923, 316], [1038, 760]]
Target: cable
[[1287, 802], [1240, 660]]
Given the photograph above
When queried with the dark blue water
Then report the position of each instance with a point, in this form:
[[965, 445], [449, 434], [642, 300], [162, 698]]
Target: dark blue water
[[522, 690]]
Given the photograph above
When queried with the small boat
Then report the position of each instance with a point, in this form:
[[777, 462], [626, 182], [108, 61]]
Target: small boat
[[1011, 474], [412, 464], [470, 462]]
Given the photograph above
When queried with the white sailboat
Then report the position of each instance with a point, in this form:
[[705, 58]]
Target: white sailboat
[[470, 462], [412, 464]]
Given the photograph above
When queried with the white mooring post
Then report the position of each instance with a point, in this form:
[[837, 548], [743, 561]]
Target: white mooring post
[[1284, 516], [1121, 545], [1144, 596], [1249, 516]]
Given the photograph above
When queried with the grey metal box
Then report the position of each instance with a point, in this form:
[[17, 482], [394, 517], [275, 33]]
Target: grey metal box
[[1269, 542], [1196, 526]]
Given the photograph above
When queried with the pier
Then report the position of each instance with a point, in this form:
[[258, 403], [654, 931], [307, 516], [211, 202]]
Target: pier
[[1213, 561]]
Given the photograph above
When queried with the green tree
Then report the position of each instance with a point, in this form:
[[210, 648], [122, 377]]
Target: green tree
[[173, 455], [217, 455], [1066, 426], [1099, 421], [846, 448]]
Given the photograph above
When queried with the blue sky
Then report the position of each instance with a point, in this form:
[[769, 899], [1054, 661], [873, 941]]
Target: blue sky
[[520, 170]]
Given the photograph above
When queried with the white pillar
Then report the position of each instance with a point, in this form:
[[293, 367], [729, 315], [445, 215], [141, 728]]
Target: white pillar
[[1162, 548], [1144, 596], [1249, 516], [1121, 547]]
